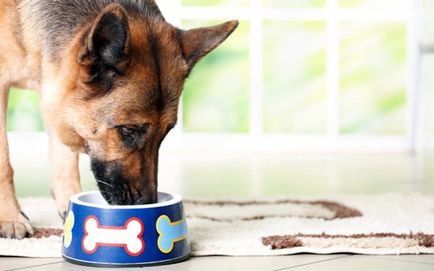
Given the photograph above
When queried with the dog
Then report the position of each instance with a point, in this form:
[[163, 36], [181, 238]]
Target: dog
[[110, 74]]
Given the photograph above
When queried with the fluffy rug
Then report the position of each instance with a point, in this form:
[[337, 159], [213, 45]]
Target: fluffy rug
[[381, 224]]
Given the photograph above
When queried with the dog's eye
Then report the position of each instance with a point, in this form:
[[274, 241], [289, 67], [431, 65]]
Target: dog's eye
[[133, 136], [127, 132]]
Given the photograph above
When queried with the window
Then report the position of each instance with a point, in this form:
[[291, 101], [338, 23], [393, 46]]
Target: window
[[298, 73], [335, 73], [23, 111]]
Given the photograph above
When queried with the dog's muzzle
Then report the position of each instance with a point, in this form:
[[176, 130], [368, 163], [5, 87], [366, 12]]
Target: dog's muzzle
[[116, 189]]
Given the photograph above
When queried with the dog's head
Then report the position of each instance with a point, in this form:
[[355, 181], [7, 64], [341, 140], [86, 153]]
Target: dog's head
[[123, 98]]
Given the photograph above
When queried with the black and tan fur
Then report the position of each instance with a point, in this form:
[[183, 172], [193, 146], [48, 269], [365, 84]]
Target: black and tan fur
[[110, 74]]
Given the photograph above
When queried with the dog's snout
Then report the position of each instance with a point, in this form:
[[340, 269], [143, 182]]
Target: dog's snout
[[146, 198], [129, 196], [119, 190]]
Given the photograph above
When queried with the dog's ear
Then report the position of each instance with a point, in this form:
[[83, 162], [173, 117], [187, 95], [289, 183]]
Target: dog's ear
[[196, 43], [105, 48]]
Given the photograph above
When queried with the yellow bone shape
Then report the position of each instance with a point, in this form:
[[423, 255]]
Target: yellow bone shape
[[67, 229]]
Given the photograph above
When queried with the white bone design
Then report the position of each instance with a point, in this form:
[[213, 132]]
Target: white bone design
[[128, 236]]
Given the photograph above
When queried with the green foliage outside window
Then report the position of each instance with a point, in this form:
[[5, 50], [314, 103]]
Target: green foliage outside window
[[23, 111], [216, 95]]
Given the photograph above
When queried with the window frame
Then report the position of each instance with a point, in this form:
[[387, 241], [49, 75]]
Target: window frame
[[331, 15], [332, 140]]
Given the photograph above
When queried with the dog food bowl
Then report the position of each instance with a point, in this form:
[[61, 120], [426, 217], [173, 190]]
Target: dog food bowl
[[99, 234]]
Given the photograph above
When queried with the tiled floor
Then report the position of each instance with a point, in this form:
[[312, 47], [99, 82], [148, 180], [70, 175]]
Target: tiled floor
[[301, 262], [221, 175]]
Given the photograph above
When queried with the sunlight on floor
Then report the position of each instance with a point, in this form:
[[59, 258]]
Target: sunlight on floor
[[226, 174]]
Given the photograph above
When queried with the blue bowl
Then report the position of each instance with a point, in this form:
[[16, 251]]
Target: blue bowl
[[99, 234]]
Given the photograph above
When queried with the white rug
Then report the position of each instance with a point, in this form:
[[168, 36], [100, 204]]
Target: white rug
[[382, 224]]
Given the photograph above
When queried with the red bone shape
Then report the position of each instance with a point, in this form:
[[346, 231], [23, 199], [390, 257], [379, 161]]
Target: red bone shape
[[128, 236]]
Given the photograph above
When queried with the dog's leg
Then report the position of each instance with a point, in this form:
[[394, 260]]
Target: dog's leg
[[13, 224], [65, 175]]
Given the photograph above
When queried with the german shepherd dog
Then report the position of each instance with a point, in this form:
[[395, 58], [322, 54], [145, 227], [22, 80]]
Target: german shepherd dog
[[110, 74]]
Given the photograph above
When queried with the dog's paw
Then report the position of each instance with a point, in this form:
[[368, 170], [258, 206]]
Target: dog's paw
[[62, 215], [15, 228]]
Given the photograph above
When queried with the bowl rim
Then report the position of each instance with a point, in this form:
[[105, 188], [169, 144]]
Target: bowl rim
[[76, 200]]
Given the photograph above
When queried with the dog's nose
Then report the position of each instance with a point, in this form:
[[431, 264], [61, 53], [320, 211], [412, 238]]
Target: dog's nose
[[129, 197], [117, 190], [144, 197]]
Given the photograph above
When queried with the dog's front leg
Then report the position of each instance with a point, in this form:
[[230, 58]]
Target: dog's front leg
[[13, 224], [65, 175]]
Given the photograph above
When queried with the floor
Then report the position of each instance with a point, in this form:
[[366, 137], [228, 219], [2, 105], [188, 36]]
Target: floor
[[270, 174], [295, 262]]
